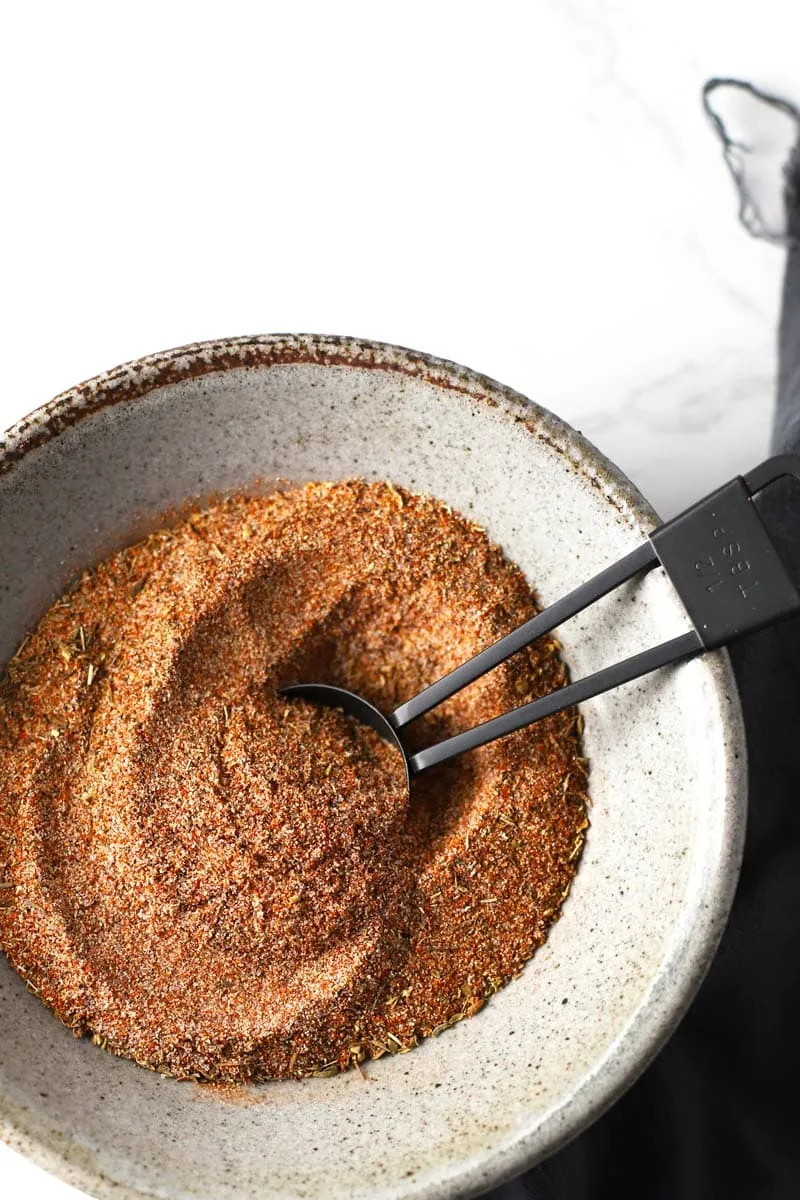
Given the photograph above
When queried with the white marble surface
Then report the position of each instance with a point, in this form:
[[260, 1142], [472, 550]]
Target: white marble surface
[[529, 188]]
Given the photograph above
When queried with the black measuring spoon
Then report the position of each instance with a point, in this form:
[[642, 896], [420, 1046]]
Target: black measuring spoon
[[723, 565]]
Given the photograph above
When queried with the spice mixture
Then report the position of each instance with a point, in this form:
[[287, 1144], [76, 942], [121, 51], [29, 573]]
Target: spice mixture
[[224, 885]]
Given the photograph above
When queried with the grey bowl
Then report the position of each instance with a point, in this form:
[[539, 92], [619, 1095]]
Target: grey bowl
[[548, 1054]]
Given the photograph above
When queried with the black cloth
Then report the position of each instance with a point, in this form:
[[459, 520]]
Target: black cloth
[[716, 1115]]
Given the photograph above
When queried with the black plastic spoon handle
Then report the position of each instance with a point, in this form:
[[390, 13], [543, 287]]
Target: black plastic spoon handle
[[683, 647], [641, 559], [723, 564]]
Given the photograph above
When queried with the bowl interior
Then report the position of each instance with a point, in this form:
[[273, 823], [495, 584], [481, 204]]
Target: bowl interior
[[656, 879]]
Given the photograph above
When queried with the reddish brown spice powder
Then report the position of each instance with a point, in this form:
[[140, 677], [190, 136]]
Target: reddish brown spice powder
[[226, 886]]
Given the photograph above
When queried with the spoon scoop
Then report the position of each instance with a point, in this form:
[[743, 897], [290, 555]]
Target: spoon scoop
[[723, 565]]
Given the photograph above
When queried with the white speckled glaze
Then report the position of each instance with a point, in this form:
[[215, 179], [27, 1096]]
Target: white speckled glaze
[[551, 1051]]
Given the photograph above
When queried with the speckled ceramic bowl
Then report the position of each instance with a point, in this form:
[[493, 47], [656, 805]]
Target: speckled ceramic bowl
[[548, 1054]]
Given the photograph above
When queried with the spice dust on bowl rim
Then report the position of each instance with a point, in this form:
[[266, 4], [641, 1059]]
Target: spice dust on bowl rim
[[96, 469]]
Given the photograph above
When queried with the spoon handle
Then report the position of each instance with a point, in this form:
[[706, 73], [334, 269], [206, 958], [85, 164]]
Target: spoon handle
[[683, 647], [719, 556], [643, 558]]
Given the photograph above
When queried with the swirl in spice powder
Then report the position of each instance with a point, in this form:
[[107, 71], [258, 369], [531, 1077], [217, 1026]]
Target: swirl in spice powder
[[225, 885]]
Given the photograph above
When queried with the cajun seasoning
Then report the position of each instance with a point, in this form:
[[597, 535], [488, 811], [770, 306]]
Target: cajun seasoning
[[224, 885]]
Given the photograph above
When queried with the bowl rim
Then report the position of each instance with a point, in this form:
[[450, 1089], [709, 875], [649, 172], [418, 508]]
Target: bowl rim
[[659, 1015]]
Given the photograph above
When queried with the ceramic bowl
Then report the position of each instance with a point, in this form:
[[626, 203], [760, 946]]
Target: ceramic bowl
[[545, 1057]]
